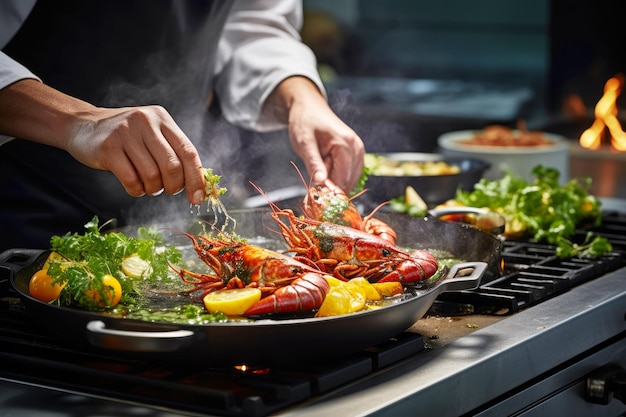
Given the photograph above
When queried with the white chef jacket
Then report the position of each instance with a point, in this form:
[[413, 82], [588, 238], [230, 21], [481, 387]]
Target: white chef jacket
[[260, 46]]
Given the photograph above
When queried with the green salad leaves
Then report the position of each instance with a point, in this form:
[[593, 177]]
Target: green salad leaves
[[86, 258], [543, 209]]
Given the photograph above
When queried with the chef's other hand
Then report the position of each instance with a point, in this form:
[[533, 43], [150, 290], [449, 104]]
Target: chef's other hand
[[328, 147], [142, 146]]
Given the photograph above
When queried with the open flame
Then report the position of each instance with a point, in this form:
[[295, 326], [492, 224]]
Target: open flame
[[252, 369], [605, 114]]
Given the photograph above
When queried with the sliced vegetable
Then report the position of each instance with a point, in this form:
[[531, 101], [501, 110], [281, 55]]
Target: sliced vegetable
[[343, 298], [388, 289], [371, 294], [411, 203], [135, 267], [231, 302]]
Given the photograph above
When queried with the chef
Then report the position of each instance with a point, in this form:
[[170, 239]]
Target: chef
[[91, 93]]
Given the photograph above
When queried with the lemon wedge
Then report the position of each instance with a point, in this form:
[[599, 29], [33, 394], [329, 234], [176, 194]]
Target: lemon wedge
[[232, 302], [412, 198], [135, 267], [371, 294], [388, 289], [343, 298]]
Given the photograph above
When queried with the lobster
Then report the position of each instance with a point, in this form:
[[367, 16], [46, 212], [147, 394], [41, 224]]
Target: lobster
[[286, 285], [346, 252], [329, 203]]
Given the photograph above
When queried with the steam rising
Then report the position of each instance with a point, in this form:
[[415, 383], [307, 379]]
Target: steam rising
[[177, 80]]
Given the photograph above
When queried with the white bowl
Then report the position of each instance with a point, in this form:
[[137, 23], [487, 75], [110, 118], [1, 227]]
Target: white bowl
[[519, 160]]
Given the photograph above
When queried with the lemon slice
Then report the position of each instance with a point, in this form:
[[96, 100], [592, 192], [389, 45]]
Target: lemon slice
[[135, 267], [412, 198], [232, 302]]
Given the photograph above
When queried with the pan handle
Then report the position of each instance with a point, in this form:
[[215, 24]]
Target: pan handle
[[166, 341], [464, 276], [12, 260]]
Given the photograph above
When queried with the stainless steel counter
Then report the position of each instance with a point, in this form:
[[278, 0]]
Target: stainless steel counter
[[496, 360]]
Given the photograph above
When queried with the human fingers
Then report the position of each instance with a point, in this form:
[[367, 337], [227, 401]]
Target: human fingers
[[124, 170], [145, 149], [164, 158], [345, 161], [185, 161], [343, 154]]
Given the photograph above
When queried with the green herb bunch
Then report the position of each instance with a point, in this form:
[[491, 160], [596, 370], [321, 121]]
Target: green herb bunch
[[87, 258], [543, 209]]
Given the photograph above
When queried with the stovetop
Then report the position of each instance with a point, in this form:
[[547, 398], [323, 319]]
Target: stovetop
[[541, 302]]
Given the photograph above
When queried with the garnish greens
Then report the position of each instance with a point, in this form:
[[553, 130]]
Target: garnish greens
[[185, 314], [360, 186], [87, 258], [212, 188], [213, 192], [400, 205], [335, 209], [543, 209]]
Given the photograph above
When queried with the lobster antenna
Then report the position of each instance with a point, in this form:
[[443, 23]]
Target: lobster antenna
[[300, 175], [273, 206]]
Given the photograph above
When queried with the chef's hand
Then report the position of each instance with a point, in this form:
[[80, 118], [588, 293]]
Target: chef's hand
[[142, 146], [329, 148]]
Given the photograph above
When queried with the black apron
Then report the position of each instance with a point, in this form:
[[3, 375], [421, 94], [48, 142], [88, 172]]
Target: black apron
[[110, 53]]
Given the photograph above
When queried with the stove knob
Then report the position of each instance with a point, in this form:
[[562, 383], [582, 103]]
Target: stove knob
[[610, 379]]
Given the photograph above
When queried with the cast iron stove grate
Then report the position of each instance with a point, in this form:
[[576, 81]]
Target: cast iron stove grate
[[29, 355], [533, 273]]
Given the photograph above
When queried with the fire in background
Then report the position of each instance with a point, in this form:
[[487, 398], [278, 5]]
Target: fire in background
[[606, 122]]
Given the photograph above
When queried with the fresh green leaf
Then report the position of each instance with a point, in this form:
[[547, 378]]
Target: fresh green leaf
[[88, 257], [360, 186], [549, 211]]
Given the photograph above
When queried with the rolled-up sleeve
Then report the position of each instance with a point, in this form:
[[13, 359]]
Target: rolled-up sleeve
[[260, 47], [11, 71]]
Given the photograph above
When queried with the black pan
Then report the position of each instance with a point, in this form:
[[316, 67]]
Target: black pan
[[263, 341], [434, 189]]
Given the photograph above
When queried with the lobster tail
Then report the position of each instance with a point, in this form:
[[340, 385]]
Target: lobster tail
[[303, 294]]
